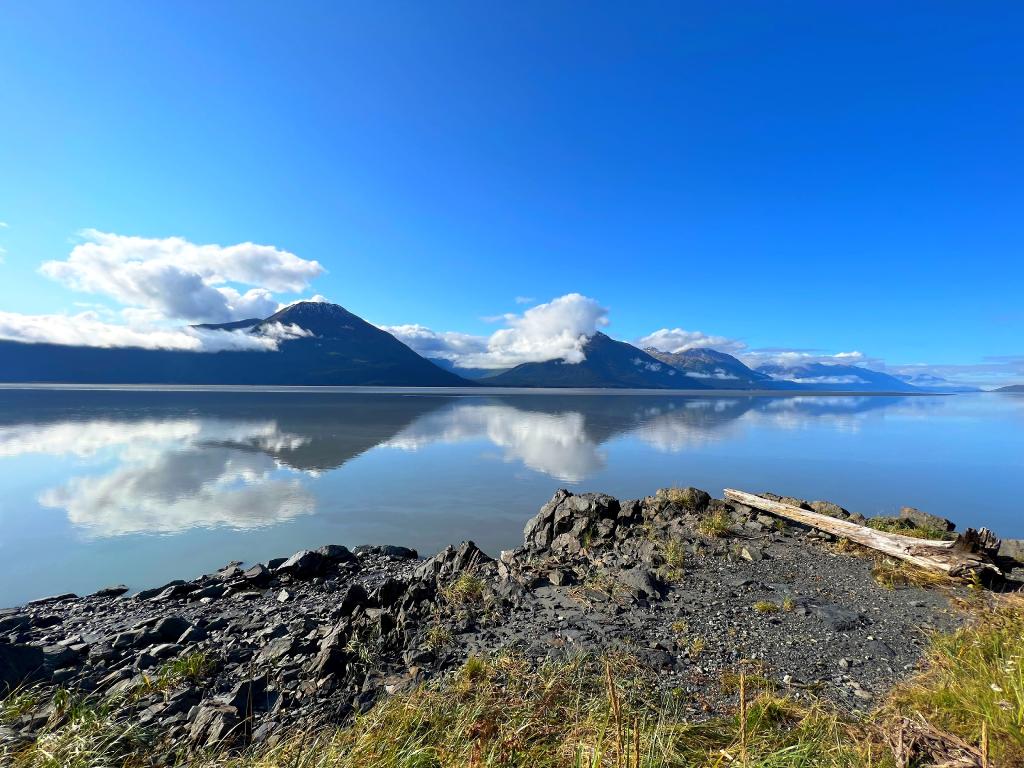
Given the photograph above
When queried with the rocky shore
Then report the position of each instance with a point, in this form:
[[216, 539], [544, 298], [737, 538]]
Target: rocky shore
[[691, 586]]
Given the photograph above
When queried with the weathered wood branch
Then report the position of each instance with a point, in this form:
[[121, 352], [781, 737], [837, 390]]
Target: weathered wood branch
[[971, 554]]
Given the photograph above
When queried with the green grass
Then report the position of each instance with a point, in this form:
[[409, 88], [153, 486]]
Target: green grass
[[189, 668], [467, 589], [975, 676], [766, 606], [715, 524], [893, 574], [609, 712], [906, 528]]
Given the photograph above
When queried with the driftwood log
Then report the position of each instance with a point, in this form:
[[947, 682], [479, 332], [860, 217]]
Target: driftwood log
[[971, 555]]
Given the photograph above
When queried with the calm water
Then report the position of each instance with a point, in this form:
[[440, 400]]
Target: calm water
[[141, 487]]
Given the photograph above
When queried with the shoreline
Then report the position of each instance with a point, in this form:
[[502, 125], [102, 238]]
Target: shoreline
[[687, 585], [482, 390]]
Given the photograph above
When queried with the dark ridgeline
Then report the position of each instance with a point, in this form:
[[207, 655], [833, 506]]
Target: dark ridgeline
[[343, 350], [716, 369], [322, 344], [608, 363]]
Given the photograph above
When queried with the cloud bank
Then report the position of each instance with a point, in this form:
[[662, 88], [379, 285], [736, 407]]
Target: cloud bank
[[676, 340], [557, 330], [179, 280], [161, 283]]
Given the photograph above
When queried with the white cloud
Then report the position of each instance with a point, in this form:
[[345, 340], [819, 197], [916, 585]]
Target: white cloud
[[447, 345], [557, 330], [793, 358], [183, 280], [524, 300], [3, 225], [88, 329], [679, 340]]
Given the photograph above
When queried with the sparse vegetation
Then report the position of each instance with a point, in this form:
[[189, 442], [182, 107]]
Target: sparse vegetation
[[467, 589], [603, 712], [675, 559], [190, 667], [438, 636], [974, 679], [905, 528], [892, 574], [766, 606], [788, 605], [715, 523]]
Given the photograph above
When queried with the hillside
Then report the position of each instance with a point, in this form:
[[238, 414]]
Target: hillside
[[340, 349], [609, 364]]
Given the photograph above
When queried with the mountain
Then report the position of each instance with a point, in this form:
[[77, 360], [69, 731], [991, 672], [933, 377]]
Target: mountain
[[835, 377], [1013, 389], [714, 368], [466, 373], [608, 363], [321, 345], [932, 383]]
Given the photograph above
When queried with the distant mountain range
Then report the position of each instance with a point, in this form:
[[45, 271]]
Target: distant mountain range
[[324, 344], [338, 349], [608, 363], [1013, 389]]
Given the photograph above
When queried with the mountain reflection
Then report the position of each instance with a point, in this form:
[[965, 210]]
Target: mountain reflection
[[169, 462]]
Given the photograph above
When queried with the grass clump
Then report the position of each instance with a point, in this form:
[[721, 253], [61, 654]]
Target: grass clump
[[715, 524], [974, 680], [82, 733], [439, 636], [467, 589], [891, 573], [674, 553], [766, 606], [906, 528], [188, 668]]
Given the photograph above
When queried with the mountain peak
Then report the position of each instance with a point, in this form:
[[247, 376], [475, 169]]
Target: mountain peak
[[318, 317]]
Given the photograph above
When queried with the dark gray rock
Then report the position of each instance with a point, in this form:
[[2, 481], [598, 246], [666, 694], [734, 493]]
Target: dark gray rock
[[213, 724], [304, 564], [170, 628], [336, 553], [641, 583], [19, 664], [147, 594], [398, 553], [113, 591], [52, 599], [925, 520]]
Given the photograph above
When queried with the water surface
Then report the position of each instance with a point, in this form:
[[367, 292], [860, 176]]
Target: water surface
[[140, 487]]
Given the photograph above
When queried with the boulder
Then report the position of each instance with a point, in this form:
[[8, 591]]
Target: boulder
[[336, 553], [213, 724], [170, 628], [573, 520], [1013, 549], [113, 591], [304, 564], [924, 520], [19, 664], [690, 499], [398, 553], [829, 509], [451, 561], [641, 583], [146, 594], [354, 597]]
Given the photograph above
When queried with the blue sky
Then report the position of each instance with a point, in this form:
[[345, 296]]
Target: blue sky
[[803, 176]]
